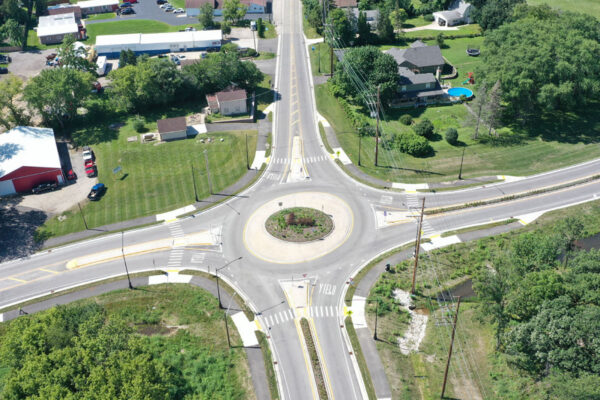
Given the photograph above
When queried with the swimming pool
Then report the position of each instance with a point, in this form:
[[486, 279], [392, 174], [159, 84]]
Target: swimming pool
[[459, 91]]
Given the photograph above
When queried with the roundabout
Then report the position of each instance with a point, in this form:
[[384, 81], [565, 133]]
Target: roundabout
[[334, 222]]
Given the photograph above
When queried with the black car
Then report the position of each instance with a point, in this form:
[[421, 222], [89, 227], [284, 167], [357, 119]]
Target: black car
[[125, 5], [44, 187], [3, 70], [161, 1], [4, 59], [97, 191], [127, 11]]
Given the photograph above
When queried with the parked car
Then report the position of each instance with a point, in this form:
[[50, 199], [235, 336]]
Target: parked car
[[169, 9], [175, 59], [132, 1], [165, 5], [5, 59], [178, 11], [88, 154], [3, 70], [97, 191], [190, 29], [161, 1], [127, 11], [44, 187], [71, 176], [125, 5], [91, 171]]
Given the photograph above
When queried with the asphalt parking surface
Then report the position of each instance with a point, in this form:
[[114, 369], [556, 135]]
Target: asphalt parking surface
[[148, 9], [27, 64]]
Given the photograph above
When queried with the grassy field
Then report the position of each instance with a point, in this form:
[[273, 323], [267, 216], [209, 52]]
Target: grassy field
[[264, 94], [476, 368], [590, 7], [156, 178], [309, 31], [97, 17], [462, 30], [415, 22], [321, 50], [270, 31], [549, 147]]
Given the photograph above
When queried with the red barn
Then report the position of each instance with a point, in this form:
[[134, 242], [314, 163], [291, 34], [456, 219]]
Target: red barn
[[28, 156]]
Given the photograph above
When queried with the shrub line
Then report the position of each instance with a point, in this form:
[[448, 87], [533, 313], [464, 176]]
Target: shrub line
[[314, 359]]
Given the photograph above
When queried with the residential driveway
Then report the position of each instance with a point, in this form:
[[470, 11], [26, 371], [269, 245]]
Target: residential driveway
[[27, 64], [148, 9], [67, 196], [244, 38]]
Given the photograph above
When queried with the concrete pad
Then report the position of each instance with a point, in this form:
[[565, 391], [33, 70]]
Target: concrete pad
[[298, 172], [509, 178], [200, 128], [297, 293], [529, 218], [358, 312], [437, 241], [386, 218], [175, 213], [410, 187], [268, 248], [158, 279], [341, 155], [245, 328], [259, 159]]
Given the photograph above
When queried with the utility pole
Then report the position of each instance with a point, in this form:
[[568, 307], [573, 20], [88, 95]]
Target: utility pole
[[124, 261], [255, 48], [217, 275], [331, 59], [450, 349], [417, 248], [461, 164], [208, 171], [377, 130], [376, 312], [82, 217], [227, 328], [359, 144], [247, 157], [194, 181], [319, 55]]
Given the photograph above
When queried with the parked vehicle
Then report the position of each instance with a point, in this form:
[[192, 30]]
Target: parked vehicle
[[44, 187], [5, 59], [88, 154], [178, 11], [125, 5], [3, 70], [169, 9], [175, 59], [91, 171], [71, 176], [97, 87], [161, 1], [165, 5], [127, 11], [97, 191], [190, 29]]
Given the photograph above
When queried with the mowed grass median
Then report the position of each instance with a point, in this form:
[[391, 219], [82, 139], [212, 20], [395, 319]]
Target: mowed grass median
[[156, 177]]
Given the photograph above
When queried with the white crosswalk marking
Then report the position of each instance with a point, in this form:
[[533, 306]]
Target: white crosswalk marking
[[198, 258], [291, 314], [269, 321], [276, 319], [175, 258], [175, 229], [385, 199]]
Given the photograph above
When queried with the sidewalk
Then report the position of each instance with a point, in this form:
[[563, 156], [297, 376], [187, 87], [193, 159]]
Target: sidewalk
[[254, 354]]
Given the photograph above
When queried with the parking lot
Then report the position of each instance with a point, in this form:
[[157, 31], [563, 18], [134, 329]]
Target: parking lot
[[148, 9], [27, 64]]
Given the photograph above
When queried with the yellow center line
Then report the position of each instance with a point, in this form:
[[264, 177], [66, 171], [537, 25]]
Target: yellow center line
[[48, 270], [17, 279]]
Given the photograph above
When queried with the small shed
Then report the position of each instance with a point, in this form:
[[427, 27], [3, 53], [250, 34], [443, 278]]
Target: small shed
[[172, 128], [229, 101]]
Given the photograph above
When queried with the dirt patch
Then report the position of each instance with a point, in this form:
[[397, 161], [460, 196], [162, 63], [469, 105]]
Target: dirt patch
[[299, 224], [158, 329], [415, 332]]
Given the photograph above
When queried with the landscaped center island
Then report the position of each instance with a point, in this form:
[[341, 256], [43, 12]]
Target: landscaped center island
[[299, 224]]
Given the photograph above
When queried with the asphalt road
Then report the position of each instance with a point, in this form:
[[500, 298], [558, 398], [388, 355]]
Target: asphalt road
[[258, 280]]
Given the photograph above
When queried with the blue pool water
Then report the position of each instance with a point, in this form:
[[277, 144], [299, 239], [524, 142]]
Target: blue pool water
[[458, 91]]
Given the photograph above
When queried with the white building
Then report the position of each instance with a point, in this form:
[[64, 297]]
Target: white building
[[158, 43], [458, 13], [53, 28]]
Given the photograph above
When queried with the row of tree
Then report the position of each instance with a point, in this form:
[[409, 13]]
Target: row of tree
[[17, 17], [56, 94]]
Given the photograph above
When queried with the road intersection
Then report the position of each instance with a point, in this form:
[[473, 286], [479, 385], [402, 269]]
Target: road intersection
[[282, 288]]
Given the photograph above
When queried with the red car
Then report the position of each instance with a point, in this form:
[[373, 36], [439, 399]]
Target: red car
[[89, 163], [91, 171], [71, 176]]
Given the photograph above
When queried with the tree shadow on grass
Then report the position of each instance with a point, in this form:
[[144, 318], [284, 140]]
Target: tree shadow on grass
[[18, 230]]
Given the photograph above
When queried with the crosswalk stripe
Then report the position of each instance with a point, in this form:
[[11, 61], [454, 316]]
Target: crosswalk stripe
[[291, 314], [276, 319]]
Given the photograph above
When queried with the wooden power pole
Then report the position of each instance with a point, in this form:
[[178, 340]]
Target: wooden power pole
[[331, 59], [417, 248], [377, 130], [450, 349]]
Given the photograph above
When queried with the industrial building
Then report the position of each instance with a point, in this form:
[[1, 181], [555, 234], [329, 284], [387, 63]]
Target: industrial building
[[158, 43], [29, 157], [97, 6], [53, 28]]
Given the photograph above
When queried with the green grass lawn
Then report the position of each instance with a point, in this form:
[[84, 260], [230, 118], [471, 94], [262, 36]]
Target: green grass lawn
[[309, 31], [129, 26], [178, 3], [321, 55], [462, 30], [590, 7], [265, 55], [157, 178], [548, 149], [33, 42], [264, 94], [415, 22], [270, 31], [96, 17]]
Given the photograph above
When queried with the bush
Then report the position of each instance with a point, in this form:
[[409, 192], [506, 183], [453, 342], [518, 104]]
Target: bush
[[406, 119], [424, 128], [451, 136], [139, 124], [412, 144], [428, 17]]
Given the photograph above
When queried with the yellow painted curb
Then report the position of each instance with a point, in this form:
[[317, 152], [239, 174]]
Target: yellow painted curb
[[258, 326], [523, 222]]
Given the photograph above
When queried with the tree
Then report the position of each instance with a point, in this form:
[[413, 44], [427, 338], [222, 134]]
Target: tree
[[12, 32], [439, 39], [424, 128], [206, 15], [385, 30], [379, 69], [544, 65], [397, 18], [451, 136], [11, 114], [364, 30], [57, 93], [74, 57], [341, 25], [494, 13], [493, 108], [478, 104], [234, 11], [225, 28], [249, 76], [260, 28]]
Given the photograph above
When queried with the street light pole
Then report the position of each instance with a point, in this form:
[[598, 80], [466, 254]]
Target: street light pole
[[247, 156], [359, 145], [376, 312], [217, 276], [125, 261]]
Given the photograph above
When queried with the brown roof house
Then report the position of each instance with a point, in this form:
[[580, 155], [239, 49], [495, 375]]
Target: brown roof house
[[172, 128], [229, 101], [346, 3]]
